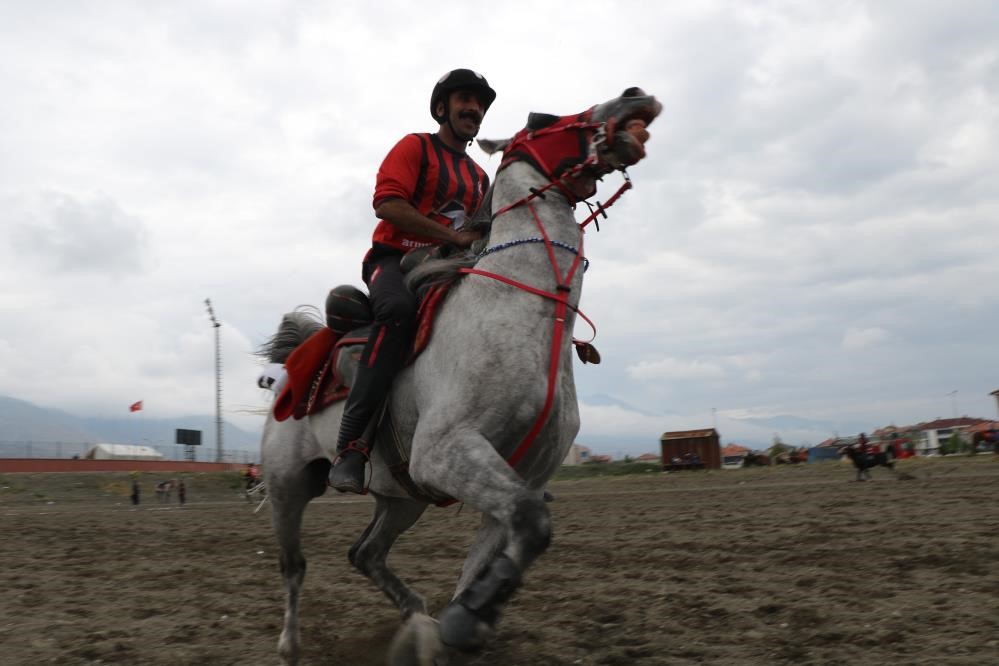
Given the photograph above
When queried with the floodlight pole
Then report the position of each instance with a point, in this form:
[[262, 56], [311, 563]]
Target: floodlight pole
[[218, 382]]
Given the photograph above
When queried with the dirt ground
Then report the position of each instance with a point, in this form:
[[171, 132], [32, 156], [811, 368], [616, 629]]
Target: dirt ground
[[781, 565]]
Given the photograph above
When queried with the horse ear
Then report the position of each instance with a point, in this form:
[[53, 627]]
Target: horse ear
[[490, 146]]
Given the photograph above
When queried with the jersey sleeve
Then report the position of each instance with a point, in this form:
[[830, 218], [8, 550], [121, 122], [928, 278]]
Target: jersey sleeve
[[399, 171]]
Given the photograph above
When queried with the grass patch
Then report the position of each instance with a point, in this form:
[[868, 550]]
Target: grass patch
[[592, 470]]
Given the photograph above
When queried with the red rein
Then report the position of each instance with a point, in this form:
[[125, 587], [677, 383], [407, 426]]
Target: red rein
[[520, 148]]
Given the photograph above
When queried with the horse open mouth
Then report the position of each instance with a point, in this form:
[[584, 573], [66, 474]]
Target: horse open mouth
[[645, 114], [628, 117]]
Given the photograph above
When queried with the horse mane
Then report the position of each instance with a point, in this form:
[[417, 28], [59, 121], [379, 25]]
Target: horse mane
[[445, 269], [295, 327]]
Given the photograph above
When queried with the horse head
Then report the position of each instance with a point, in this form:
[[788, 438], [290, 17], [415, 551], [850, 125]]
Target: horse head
[[577, 150], [626, 119]]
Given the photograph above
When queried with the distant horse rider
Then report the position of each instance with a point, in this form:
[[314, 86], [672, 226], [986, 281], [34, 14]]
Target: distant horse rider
[[427, 187], [865, 447], [252, 475]]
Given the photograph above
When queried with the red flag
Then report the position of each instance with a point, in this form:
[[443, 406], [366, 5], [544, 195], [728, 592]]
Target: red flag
[[135, 406]]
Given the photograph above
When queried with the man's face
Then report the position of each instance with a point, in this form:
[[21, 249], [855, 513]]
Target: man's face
[[466, 110]]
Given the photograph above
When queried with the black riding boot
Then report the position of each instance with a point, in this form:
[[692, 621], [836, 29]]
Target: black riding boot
[[353, 443], [370, 387]]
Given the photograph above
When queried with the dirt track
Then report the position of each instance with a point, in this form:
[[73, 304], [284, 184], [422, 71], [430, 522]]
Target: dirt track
[[767, 566]]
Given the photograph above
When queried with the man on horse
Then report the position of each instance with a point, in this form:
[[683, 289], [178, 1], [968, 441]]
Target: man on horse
[[427, 186], [252, 474]]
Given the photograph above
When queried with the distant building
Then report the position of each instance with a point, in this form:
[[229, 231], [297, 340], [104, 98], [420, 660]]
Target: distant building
[[691, 448], [733, 456], [829, 449], [649, 458], [123, 452], [902, 442], [934, 433], [578, 454]]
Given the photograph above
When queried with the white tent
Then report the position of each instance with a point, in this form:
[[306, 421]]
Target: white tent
[[123, 452]]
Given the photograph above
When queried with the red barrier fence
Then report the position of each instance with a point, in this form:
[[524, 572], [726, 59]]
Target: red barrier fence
[[16, 465]]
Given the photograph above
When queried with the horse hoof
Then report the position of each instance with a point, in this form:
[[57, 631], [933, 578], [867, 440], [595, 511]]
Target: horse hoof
[[462, 629], [417, 643], [288, 649]]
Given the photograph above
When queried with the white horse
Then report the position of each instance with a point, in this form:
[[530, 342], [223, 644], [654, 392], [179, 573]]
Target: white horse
[[488, 411]]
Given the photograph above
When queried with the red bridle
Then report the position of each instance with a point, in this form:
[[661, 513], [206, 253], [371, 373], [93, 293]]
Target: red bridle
[[538, 148]]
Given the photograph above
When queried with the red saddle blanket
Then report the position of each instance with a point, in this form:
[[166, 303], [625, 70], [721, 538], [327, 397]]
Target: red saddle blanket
[[313, 382]]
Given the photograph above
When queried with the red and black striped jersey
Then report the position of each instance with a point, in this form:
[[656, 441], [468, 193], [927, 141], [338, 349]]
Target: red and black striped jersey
[[437, 180]]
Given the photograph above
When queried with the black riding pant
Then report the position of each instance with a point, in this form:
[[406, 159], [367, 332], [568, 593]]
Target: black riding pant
[[394, 308]]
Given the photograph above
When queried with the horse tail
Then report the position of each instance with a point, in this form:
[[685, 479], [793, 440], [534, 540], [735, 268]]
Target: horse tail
[[295, 328]]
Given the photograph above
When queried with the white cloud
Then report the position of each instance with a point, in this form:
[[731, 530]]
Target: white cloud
[[821, 183], [675, 369], [859, 338]]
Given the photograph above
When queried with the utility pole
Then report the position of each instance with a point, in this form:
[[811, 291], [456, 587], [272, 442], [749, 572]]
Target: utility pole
[[953, 402], [218, 382]]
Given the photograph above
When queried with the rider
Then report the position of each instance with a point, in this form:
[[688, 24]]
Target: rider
[[427, 186], [252, 475], [864, 446]]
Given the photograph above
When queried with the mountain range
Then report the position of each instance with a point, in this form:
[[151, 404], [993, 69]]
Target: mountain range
[[23, 423]]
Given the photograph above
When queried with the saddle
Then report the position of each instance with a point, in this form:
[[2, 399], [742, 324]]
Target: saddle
[[321, 369]]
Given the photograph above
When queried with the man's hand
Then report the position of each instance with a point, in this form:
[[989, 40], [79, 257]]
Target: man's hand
[[402, 215], [465, 238]]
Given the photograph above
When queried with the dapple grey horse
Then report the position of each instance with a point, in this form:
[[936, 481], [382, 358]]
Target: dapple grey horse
[[488, 410]]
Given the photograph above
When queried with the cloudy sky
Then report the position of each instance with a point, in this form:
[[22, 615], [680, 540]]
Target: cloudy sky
[[814, 234]]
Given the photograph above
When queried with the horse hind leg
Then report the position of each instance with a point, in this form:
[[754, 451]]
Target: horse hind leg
[[288, 527], [393, 516], [417, 643], [289, 497]]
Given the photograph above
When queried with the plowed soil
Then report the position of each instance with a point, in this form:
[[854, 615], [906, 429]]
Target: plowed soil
[[786, 565]]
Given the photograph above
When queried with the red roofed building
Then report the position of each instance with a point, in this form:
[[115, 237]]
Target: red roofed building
[[935, 433], [733, 456]]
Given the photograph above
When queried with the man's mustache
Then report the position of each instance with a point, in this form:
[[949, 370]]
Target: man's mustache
[[471, 115]]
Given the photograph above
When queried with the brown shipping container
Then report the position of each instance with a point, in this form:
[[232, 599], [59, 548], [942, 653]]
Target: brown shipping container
[[684, 445]]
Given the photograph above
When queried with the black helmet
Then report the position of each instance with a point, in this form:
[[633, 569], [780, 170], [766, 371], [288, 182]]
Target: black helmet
[[457, 79]]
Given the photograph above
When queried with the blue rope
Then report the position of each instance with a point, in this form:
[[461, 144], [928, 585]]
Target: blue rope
[[522, 241]]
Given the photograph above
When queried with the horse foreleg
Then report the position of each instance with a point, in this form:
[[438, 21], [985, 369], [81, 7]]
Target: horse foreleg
[[470, 619], [472, 471], [489, 541], [393, 516]]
